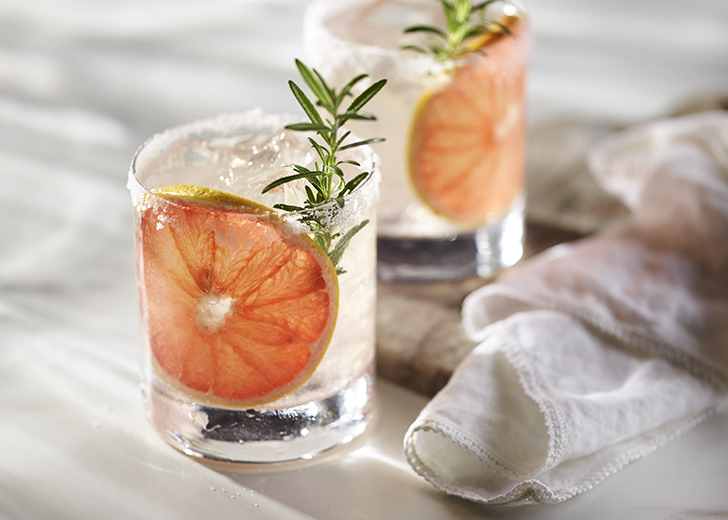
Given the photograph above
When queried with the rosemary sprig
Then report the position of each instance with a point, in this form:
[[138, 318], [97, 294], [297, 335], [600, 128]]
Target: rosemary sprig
[[326, 182], [464, 20]]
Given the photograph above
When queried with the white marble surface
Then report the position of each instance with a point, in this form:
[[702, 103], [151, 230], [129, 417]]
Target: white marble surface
[[82, 84]]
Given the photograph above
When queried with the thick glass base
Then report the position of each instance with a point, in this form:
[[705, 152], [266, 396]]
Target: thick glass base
[[258, 436], [484, 252]]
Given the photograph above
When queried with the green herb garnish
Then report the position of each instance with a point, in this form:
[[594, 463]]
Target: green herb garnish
[[326, 180], [464, 20]]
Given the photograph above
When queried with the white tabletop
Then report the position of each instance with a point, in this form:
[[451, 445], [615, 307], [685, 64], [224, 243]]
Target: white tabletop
[[82, 84]]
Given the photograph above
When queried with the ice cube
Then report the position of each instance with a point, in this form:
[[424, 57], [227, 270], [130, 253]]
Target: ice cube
[[202, 154], [251, 164]]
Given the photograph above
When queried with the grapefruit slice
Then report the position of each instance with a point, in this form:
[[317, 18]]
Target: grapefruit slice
[[237, 308], [467, 139]]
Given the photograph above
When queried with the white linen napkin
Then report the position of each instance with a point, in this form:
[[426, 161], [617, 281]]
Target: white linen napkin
[[595, 353]]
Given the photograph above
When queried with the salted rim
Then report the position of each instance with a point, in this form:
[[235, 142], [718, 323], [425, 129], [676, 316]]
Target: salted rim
[[316, 34], [250, 123]]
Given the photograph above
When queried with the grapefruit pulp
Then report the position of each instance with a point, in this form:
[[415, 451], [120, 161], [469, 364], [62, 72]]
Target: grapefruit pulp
[[237, 308], [467, 138]]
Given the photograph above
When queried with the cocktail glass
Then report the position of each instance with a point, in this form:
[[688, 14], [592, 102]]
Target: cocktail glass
[[452, 197], [258, 346]]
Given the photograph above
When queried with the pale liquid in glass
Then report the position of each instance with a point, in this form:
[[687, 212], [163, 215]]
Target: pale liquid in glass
[[334, 405], [414, 242]]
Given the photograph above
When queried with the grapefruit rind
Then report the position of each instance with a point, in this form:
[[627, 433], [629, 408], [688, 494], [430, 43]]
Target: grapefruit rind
[[190, 203], [211, 198]]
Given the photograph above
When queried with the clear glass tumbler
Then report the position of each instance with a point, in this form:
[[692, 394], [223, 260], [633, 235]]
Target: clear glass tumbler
[[258, 343], [453, 163]]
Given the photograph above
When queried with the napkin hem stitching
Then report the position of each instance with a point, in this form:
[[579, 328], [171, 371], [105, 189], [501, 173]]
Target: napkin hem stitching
[[536, 492], [553, 416], [452, 433], [624, 332], [526, 491], [651, 441]]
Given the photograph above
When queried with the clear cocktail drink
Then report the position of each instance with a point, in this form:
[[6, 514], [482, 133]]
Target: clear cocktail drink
[[453, 163], [259, 345]]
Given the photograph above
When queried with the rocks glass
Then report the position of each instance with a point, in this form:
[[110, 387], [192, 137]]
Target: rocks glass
[[258, 343], [453, 163]]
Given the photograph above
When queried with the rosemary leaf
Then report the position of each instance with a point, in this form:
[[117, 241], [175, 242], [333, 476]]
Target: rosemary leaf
[[308, 127], [361, 143], [313, 83], [338, 251], [305, 103], [366, 96], [326, 182]]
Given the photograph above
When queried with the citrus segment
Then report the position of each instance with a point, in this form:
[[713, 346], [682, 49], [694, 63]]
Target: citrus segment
[[467, 140], [239, 309]]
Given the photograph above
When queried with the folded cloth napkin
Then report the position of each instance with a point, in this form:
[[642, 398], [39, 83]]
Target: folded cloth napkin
[[595, 353]]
